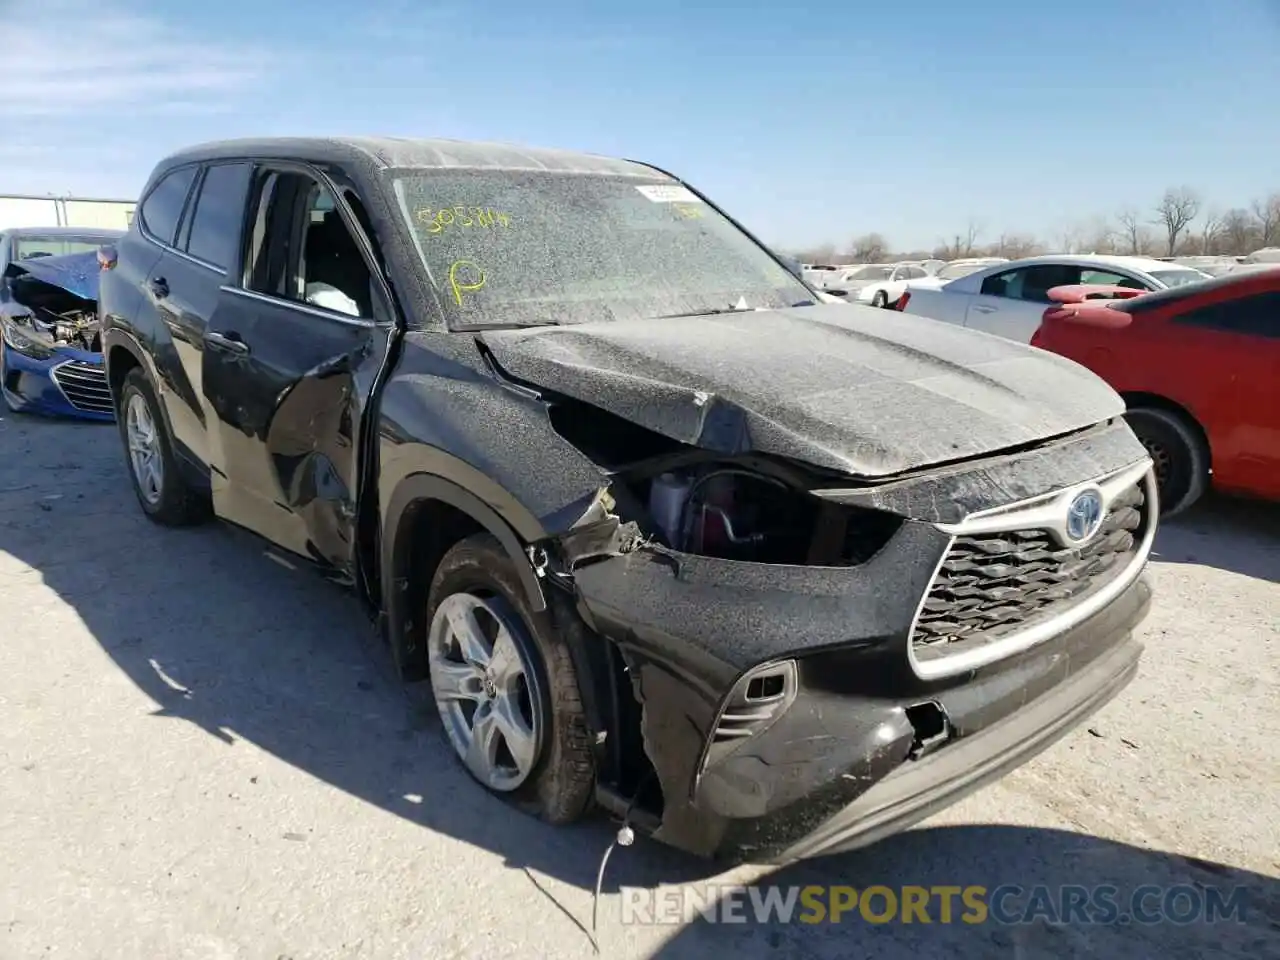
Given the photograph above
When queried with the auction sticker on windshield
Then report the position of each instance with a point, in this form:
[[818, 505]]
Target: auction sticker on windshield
[[668, 193]]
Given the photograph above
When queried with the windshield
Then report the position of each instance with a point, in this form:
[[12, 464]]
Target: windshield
[[24, 248], [954, 271], [1176, 278], [870, 273], [517, 247]]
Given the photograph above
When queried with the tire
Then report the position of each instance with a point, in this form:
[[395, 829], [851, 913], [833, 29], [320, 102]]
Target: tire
[[1180, 454], [171, 503], [881, 300], [558, 785]]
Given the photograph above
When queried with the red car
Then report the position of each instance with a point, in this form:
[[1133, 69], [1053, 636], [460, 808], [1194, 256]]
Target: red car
[[1199, 367]]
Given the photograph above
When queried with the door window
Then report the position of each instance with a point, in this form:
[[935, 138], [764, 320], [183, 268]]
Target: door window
[[302, 250], [1257, 316], [162, 209], [1031, 283], [215, 227]]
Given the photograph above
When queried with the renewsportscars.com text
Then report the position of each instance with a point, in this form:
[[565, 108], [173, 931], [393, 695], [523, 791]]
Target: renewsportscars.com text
[[1008, 904]]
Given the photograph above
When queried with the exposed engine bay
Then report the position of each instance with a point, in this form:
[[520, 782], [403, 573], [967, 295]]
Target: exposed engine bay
[[55, 316]]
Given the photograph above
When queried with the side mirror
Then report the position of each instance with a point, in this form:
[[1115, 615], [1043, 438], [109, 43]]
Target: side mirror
[[107, 257]]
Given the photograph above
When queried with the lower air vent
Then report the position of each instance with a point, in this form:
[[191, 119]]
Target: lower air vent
[[757, 699]]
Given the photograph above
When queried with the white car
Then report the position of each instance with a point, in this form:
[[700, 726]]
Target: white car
[[1009, 299], [879, 284], [954, 271]]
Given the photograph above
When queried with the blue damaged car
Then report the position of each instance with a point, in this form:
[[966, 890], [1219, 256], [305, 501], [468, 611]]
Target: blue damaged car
[[51, 357]]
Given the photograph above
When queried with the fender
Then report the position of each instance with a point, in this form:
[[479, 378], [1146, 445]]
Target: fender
[[114, 337], [396, 545]]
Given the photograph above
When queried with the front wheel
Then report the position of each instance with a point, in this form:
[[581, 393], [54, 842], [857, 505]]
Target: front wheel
[[881, 299], [505, 685], [162, 492], [1179, 453]]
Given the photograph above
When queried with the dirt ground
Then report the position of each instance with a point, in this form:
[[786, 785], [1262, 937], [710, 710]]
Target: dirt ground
[[205, 755]]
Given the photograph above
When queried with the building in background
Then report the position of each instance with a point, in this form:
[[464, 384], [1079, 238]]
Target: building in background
[[17, 210]]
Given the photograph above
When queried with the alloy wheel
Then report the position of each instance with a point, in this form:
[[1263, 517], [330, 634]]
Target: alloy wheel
[[486, 689], [144, 449]]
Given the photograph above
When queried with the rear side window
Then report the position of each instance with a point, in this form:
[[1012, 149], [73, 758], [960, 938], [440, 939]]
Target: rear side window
[[163, 207], [1256, 316], [219, 212]]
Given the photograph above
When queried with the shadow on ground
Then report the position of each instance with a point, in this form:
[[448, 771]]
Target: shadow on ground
[[1196, 537], [1133, 903], [223, 638]]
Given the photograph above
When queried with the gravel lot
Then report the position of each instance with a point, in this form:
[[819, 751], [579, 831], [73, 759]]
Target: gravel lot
[[205, 755]]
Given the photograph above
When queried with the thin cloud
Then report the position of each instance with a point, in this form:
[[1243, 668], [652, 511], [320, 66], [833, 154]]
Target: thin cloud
[[78, 58]]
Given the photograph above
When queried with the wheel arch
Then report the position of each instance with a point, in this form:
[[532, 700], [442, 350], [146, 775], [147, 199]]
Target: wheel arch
[[424, 517], [1140, 398]]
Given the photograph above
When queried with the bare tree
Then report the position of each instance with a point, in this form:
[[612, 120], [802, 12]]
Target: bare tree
[[1101, 237], [869, 248], [1176, 209], [1133, 235], [1015, 246], [1068, 239], [1267, 214], [1210, 227], [962, 244], [1239, 233]]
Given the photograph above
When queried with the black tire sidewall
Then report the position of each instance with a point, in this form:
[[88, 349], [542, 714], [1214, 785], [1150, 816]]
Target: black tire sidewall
[[562, 784], [881, 300], [1188, 466]]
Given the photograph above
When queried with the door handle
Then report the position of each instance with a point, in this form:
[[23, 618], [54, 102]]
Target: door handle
[[159, 287], [227, 341]]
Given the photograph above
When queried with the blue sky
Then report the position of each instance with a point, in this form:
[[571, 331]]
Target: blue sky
[[811, 122]]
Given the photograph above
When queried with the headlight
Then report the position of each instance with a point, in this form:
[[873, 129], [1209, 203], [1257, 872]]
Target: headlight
[[24, 343]]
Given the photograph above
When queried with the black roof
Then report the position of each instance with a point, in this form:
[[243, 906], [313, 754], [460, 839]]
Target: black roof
[[402, 152]]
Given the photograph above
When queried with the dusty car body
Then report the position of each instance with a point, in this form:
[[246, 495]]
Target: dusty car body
[[774, 578], [51, 357]]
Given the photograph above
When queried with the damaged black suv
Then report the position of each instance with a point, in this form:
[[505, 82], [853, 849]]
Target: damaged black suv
[[666, 534]]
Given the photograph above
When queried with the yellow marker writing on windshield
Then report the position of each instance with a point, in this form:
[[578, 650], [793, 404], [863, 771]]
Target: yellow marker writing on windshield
[[459, 285]]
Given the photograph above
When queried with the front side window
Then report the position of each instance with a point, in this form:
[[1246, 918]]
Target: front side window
[[1031, 283], [219, 211], [301, 249], [516, 248], [163, 207]]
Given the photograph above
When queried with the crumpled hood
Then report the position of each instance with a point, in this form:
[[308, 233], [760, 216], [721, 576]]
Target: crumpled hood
[[863, 391]]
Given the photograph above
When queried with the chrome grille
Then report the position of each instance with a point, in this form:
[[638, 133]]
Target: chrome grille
[[84, 385], [991, 585]]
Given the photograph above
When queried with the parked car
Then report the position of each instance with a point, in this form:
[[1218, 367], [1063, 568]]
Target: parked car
[[1199, 367], [767, 578], [1009, 299], [953, 271], [50, 350], [879, 284], [28, 243]]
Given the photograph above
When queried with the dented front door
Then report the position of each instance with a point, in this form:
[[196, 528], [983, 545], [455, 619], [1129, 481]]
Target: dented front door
[[285, 384]]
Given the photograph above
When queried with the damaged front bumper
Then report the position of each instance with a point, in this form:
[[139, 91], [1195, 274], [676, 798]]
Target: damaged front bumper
[[785, 709]]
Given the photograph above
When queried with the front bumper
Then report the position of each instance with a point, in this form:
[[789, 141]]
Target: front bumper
[[71, 383], [916, 789]]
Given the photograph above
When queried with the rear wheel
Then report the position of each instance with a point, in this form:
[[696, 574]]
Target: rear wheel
[[505, 685], [162, 492], [1179, 452], [881, 299]]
